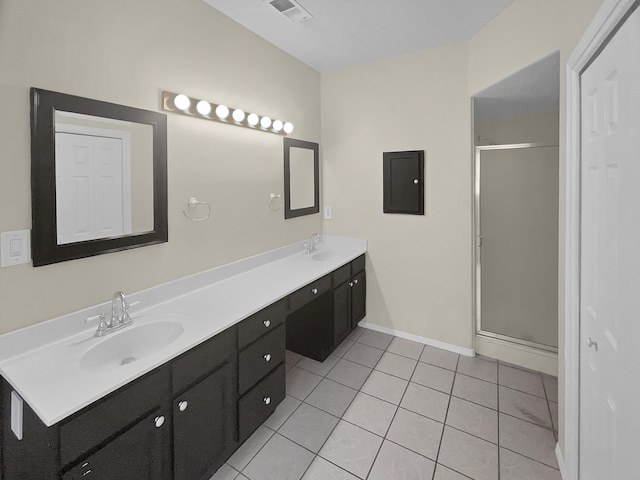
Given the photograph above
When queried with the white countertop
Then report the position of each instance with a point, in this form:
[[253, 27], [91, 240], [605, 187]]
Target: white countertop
[[42, 364]]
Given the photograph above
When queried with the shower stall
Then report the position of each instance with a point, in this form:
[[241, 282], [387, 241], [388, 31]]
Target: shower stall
[[516, 225]]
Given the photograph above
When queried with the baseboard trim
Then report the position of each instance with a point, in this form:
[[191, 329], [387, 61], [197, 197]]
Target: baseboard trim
[[521, 355], [468, 352], [560, 461]]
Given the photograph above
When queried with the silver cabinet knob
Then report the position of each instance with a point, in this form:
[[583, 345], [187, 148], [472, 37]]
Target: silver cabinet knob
[[267, 357], [266, 400], [159, 421], [182, 406], [416, 181], [592, 343], [267, 323], [314, 291], [355, 281], [351, 284]]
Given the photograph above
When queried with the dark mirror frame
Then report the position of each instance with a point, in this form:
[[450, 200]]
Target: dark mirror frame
[[315, 208], [44, 246]]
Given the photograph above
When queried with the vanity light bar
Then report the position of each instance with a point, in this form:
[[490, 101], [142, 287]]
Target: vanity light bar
[[180, 103]]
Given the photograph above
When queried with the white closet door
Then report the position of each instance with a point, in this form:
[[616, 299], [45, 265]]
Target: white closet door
[[610, 260]]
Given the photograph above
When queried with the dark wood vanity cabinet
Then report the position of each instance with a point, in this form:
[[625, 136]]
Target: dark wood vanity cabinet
[[323, 313], [182, 420], [349, 299], [142, 452], [261, 371]]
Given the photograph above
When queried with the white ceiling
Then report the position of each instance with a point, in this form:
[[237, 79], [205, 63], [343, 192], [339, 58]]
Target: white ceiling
[[533, 89], [348, 32]]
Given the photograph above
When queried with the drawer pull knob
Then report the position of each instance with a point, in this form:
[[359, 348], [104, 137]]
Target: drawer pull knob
[[86, 473], [267, 323], [267, 357], [159, 421], [314, 291], [183, 405], [355, 281], [266, 400], [351, 284]]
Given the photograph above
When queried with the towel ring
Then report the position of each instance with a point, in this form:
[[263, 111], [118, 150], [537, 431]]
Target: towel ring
[[272, 197], [193, 203]]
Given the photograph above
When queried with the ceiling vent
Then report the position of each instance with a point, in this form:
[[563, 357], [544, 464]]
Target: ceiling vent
[[290, 9]]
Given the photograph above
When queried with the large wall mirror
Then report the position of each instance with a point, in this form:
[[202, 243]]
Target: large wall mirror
[[98, 177], [301, 178]]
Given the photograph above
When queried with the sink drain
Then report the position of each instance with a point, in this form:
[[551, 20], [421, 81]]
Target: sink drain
[[127, 360]]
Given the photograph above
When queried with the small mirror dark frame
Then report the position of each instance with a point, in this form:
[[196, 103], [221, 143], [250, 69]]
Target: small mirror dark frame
[[315, 208], [44, 246]]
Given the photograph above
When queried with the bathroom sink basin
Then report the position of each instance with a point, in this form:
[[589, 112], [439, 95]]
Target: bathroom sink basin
[[324, 256], [147, 335]]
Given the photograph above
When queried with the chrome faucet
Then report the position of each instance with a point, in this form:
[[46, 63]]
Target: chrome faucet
[[116, 322], [312, 246]]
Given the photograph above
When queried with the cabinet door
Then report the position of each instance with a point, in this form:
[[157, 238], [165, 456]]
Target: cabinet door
[[341, 312], [140, 453], [204, 425], [358, 298], [403, 176]]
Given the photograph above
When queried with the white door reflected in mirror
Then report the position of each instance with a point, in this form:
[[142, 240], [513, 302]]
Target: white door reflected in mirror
[[104, 178]]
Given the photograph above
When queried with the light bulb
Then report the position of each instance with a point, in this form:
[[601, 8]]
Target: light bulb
[[238, 115], [203, 107], [182, 102], [288, 127], [253, 119], [277, 125], [222, 111], [265, 122]]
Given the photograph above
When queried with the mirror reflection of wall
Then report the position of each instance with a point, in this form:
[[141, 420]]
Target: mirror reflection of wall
[[301, 166], [104, 177]]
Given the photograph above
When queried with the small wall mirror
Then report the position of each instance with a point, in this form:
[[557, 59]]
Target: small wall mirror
[[301, 178], [98, 177]]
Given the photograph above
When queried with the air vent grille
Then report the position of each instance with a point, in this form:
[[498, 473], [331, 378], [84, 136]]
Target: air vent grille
[[290, 9]]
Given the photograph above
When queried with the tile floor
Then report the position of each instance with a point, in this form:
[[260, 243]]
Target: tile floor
[[385, 408]]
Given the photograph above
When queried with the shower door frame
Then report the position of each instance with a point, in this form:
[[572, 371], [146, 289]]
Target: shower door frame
[[478, 245]]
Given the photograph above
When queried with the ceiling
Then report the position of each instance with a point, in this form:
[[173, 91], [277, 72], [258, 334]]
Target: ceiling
[[342, 33]]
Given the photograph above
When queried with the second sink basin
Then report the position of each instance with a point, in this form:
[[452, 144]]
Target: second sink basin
[[324, 256], [147, 335]]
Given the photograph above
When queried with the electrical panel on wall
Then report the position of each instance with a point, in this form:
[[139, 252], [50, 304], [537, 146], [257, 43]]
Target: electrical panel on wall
[[403, 177]]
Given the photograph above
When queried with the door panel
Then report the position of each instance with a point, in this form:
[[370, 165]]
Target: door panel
[[610, 259], [519, 250]]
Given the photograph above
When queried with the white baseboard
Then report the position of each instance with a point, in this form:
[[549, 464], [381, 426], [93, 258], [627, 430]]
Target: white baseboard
[[560, 461], [522, 355], [468, 352]]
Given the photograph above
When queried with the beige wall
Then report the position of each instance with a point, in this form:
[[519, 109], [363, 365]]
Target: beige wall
[[525, 32], [420, 267], [127, 53], [419, 271], [532, 128]]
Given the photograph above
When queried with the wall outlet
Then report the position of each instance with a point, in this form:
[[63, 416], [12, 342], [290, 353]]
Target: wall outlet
[[328, 214], [15, 247]]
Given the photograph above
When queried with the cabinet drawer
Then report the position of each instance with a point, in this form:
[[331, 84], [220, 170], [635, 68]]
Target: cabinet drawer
[[259, 358], [260, 402], [308, 293], [261, 322], [203, 359], [341, 275], [357, 265], [116, 412]]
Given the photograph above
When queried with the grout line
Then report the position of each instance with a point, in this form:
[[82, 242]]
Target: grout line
[[446, 415]]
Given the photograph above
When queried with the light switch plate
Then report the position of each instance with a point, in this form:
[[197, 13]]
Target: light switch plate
[[15, 247], [328, 214]]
